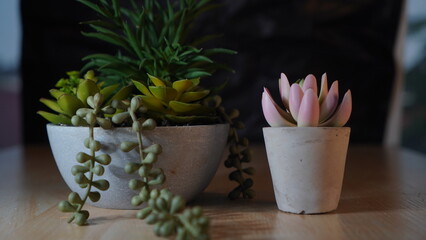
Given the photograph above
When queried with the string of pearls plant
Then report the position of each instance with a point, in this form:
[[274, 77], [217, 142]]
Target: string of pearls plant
[[164, 209], [91, 164]]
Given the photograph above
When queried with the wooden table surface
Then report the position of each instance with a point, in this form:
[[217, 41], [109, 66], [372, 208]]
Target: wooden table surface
[[383, 197]]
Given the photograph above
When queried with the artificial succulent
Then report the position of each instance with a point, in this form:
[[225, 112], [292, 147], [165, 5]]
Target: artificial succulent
[[305, 107], [73, 94]]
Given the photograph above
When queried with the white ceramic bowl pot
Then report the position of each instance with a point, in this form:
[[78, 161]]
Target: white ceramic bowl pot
[[190, 158], [307, 166]]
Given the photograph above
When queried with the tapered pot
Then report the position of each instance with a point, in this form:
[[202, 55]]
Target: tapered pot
[[307, 166], [190, 158]]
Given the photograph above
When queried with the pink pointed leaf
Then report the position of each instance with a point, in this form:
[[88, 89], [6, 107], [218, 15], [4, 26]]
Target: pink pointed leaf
[[343, 113], [324, 88], [330, 103], [296, 95], [284, 87], [310, 82], [309, 110], [273, 114]]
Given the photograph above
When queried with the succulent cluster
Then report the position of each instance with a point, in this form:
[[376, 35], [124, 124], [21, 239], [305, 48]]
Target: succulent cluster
[[75, 95], [154, 78], [304, 107]]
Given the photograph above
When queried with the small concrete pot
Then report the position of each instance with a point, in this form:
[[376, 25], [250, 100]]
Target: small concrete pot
[[190, 158], [307, 166]]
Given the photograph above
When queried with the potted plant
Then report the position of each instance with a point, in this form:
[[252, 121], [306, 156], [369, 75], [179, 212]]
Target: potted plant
[[306, 144], [153, 136]]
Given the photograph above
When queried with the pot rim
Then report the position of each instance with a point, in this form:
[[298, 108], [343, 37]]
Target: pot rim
[[305, 127]]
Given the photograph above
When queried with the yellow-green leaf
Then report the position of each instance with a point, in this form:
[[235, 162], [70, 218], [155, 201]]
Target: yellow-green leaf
[[142, 88], [180, 107], [122, 94], [182, 86], [54, 118], [157, 82], [69, 104], [195, 81], [52, 105], [108, 91], [56, 93], [85, 89], [165, 94], [193, 96], [153, 104]]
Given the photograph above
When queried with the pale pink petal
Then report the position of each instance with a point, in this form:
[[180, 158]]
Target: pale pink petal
[[310, 82], [341, 117], [296, 95], [324, 88], [273, 114], [284, 87], [309, 110], [328, 106]]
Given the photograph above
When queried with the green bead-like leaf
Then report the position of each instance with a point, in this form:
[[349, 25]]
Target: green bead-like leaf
[[81, 217], [65, 206], [143, 213], [79, 169], [80, 178], [101, 184], [98, 170], [149, 124], [135, 184], [103, 159], [177, 204], [94, 196], [74, 198], [131, 167], [154, 148], [83, 157], [136, 201], [150, 158]]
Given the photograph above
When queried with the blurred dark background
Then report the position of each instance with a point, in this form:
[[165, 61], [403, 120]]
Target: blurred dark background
[[353, 41]]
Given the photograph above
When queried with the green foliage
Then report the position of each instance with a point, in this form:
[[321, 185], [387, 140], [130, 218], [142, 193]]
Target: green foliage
[[91, 164], [151, 39]]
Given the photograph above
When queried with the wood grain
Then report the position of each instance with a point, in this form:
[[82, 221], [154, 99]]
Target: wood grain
[[383, 197]]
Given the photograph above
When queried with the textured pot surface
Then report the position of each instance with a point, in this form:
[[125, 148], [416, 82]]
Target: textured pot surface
[[307, 166], [190, 158]]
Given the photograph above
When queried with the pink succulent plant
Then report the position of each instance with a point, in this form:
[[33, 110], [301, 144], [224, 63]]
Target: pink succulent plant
[[304, 107]]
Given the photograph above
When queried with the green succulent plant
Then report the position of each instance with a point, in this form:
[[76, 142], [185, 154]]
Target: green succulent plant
[[73, 94], [179, 102], [151, 38]]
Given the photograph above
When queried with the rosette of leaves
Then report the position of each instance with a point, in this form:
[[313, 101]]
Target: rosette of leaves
[[151, 38], [91, 164], [179, 102], [72, 96], [164, 209]]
